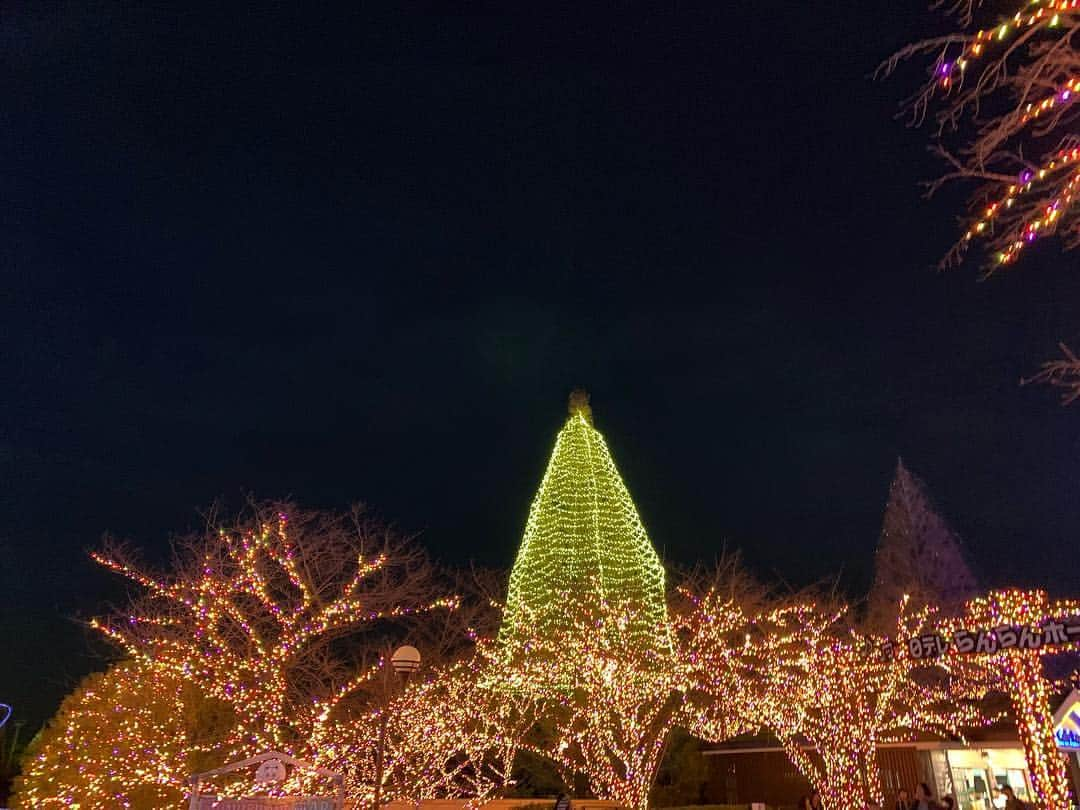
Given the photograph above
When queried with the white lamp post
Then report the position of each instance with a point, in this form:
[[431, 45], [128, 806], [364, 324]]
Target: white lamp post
[[405, 661]]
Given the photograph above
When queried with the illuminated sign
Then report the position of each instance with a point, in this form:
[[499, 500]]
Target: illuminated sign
[[1067, 738], [1067, 723], [989, 641]]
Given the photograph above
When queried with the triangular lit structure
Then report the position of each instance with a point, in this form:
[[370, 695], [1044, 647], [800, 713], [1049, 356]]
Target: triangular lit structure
[[918, 555], [584, 540]]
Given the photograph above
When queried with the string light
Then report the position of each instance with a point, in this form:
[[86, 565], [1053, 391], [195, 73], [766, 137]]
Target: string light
[[452, 734], [584, 538], [125, 738], [1018, 672], [585, 638], [813, 680], [590, 670], [1043, 223], [1038, 13], [249, 621], [1049, 215], [246, 619], [1001, 116], [1065, 94], [609, 705]]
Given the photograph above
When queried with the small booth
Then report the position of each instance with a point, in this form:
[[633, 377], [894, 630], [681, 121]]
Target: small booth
[[271, 769]]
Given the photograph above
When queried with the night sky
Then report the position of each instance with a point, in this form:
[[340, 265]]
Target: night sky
[[365, 255]]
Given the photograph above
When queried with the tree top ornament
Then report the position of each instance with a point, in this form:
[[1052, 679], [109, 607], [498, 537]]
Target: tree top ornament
[[579, 404]]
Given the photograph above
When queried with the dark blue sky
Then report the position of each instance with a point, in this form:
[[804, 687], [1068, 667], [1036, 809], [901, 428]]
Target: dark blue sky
[[364, 255]]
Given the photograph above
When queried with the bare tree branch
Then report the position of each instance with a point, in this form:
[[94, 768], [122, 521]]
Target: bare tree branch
[[1063, 374]]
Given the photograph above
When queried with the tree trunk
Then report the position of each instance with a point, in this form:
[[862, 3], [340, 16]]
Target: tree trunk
[[1030, 697]]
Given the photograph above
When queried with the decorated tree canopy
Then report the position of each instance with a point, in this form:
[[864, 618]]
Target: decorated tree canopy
[[585, 541], [125, 737]]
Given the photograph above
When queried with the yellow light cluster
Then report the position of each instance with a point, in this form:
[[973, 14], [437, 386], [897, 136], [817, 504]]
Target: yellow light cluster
[[244, 621], [125, 738], [1019, 673], [802, 671], [584, 539], [450, 734], [248, 621], [808, 676], [608, 705], [585, 638]]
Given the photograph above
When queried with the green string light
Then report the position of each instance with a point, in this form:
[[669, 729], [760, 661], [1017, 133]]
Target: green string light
[[584, 540]]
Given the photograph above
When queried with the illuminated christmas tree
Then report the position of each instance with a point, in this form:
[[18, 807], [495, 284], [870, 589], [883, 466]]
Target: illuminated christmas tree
[[585, 541], [919, 558]]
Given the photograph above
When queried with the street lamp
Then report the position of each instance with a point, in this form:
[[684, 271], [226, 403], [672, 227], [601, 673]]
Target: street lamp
[[405, 661]]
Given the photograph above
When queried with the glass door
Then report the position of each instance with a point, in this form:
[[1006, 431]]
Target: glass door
[[971, 789], [1014, 778]]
